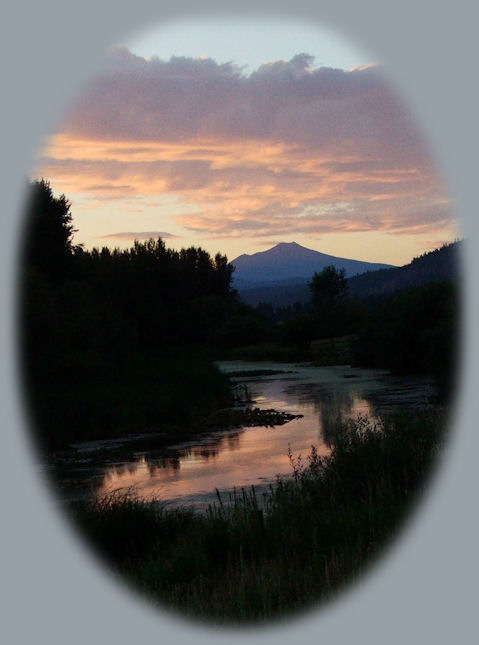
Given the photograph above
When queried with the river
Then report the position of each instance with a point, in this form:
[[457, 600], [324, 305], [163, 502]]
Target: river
[[189, 473]]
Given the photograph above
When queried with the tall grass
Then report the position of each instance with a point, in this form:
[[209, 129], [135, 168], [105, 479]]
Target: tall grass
[[252, 558]]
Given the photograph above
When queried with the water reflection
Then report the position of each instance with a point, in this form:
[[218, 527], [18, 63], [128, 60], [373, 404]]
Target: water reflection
[[333, 407], [189, 473]]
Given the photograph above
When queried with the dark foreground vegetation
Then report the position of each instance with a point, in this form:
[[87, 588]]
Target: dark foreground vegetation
[[119, 341], [257, 557]]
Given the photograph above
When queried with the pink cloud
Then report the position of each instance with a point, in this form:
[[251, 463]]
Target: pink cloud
[[288, 149]]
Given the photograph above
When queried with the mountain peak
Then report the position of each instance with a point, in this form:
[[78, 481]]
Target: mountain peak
[[288, 245], [289, 260], [287, 249]]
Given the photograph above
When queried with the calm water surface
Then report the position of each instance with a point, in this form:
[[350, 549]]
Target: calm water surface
[[189, 473]]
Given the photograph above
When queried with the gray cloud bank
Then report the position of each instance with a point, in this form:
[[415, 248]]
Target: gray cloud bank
[[288, 101]]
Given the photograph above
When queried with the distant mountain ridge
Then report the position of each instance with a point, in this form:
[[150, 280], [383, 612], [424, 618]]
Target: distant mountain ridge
[[442, 264], [289, 262]]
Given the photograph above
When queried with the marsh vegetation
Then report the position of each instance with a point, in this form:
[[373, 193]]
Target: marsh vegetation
[[255, 557]]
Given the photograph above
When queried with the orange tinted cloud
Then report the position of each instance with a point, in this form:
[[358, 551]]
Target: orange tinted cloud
[[287, 149]]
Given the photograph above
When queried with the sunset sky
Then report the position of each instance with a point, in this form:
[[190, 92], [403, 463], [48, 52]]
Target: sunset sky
[[234, 136]]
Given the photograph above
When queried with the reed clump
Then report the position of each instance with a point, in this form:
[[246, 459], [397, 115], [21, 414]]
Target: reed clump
[[256, 557]]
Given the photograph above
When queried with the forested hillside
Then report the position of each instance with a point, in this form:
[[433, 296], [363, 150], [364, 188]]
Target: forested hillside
[[440, 265]]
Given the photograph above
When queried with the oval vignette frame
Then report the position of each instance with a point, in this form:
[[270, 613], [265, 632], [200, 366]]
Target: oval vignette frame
[[415, 557]]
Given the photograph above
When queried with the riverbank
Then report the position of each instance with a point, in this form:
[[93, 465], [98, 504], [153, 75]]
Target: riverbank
[[249, 561], [219, 421], [91, 399], [276, 406]]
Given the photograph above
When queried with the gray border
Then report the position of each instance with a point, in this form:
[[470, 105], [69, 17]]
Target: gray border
[[425, 590]]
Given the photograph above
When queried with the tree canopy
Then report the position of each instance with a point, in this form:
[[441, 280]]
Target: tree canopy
[[328, 287], [48, 231]]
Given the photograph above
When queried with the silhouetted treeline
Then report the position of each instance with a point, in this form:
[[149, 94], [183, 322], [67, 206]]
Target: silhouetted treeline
[[414, 331], [99, 327], [143, 298], [441, 265], [411, 331]]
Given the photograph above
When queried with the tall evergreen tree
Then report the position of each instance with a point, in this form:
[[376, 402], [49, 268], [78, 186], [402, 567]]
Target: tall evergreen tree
[[48, 244]]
